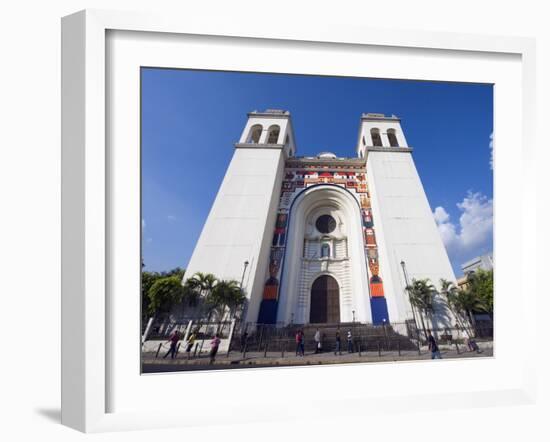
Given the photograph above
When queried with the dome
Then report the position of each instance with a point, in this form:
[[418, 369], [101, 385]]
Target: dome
[[326, 155]]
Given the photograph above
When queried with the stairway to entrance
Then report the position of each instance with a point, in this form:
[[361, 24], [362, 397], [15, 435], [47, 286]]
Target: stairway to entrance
[[365, 337]]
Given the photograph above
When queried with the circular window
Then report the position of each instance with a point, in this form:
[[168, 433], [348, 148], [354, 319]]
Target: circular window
[[325, 224]]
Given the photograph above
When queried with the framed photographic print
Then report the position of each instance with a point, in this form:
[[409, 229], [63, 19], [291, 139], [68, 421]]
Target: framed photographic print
[[252, 211]]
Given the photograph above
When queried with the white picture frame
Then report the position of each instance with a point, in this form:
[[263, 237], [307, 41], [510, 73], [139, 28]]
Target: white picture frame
[[86, 205]]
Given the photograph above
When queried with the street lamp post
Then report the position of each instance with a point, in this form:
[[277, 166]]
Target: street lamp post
[[241, 287], [409, 293], [244, 270]]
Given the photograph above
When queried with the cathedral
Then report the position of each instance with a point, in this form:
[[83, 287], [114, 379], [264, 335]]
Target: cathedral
[[323, 239]]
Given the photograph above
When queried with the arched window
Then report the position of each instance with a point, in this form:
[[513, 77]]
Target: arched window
[[375, 135], [255, 134], [325, 250], [392, 138], [273, 136]]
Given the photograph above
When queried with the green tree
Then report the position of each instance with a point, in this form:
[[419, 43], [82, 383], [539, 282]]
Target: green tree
[[147, 280], [200, 287], [480, 285], [467, 302], [452, 292], [421, 294], [164, 293], [227, 295], [178, 271]]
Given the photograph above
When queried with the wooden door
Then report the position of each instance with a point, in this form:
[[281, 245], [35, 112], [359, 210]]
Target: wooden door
[[325, 301]]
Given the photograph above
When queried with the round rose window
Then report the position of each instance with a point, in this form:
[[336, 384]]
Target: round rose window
[[325, 224]]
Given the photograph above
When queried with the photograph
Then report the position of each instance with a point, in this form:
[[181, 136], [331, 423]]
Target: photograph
[[305, 220]]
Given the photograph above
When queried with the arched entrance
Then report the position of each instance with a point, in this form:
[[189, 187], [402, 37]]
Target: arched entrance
[[325, 301]]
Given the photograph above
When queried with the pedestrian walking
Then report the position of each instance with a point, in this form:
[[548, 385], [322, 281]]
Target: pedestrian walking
[[214, 345], [173, 340], [350, 342], [472, 345], [317, 339], [302, 343], [337, 349], [298, 338], [190, 341], [432, 346], [244, 339]]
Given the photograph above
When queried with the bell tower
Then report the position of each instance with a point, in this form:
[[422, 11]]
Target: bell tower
[[379, 131], [240, 224], [271, 129], [405, 228]]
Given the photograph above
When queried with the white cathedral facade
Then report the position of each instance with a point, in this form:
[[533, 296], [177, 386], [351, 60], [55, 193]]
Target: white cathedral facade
[[323, 239]]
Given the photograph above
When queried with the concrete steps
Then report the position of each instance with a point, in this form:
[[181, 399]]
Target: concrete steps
[[365, 336]]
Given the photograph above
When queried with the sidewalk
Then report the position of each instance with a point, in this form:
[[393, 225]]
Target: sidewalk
[[257, 359]]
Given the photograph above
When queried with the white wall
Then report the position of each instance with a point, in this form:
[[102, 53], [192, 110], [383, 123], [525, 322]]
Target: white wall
[[240, 223], [405, 229]]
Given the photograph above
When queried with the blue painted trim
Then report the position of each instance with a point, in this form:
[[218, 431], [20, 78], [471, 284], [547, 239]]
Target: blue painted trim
[[268, 311], [379, 310]]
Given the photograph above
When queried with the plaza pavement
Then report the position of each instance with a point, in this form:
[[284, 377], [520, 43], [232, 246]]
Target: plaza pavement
[[152, 364]]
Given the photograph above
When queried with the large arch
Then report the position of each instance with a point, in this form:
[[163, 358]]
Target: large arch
[[294, 292]]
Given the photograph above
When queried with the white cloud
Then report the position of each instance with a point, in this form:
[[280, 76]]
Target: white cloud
[[440, 215], [142, 224], [491, 146], [171, 218], [474, 231]]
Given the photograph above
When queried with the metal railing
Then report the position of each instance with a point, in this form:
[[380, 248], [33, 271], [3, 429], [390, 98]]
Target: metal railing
[[281, 339]]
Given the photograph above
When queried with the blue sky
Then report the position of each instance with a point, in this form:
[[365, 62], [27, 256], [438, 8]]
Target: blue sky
[[191, 119]]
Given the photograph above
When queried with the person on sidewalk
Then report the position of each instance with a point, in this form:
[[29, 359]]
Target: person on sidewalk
[[302, 343], [173, 340], [350, 342], [472, 345], [298, 338], [244, 339], [338, 349], [190, 341], [317, 339], [432, 346], [214, 345]]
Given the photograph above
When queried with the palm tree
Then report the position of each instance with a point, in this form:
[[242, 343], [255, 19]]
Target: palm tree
[[229, 295], [467, 302], [452, 292], [226, 297], [421, 293], [201, 284], [200, 287]]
